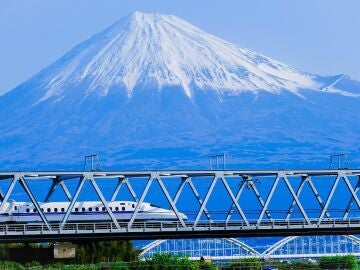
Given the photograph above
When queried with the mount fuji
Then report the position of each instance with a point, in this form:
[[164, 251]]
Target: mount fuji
[[153, 91]]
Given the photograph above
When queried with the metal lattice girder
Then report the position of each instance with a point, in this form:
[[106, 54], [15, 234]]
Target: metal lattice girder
[[351, 201], [304, 180], [184, 180], [155, 176], [55, 183], [332, 191], [8, 192], [142, 198], [268, 199], [188, 180], [207, 196], [230, 193], [237, 197], [250, 183], [51, 190], [293, 203], [73, 201], [234, 201], [296, 199], [20, 178], [102, 199], [88, 177], [352, 191], [26, 187], [65, 189], [117, 189], [202, 224], [123, 181], [317, 195], [258, 196], [341, 175], [171, 202]]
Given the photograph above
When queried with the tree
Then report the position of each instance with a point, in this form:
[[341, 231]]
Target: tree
[[338, 262], [246, 264], [104, 251]]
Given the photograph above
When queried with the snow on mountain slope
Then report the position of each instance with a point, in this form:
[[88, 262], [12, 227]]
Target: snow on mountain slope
[[154, 91], [167, 51]]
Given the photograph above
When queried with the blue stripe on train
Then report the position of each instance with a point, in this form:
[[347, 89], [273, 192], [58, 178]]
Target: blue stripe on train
[[73, 213]]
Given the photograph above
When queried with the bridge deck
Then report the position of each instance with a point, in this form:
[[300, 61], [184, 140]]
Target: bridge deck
[[166, 230]]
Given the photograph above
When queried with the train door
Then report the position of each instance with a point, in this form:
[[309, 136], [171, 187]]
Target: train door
[[13, 211]]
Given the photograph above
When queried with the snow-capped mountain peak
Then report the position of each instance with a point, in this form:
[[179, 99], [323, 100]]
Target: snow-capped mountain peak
[[155, 91], [163, 50]]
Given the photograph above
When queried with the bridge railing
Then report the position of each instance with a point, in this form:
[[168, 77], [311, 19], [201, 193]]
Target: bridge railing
[[161, 226]]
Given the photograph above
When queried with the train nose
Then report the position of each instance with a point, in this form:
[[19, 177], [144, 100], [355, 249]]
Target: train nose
[[183, 216]]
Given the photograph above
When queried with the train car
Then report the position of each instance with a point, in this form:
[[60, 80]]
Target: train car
[[87, 211]]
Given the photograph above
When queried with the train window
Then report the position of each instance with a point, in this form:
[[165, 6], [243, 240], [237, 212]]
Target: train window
[[27, 210], [76, 209], [110, 208], [42, 209], [103, 209], [49, 210], [55, 209], [96, 208], [83, 209], [116, 208], [133, 205], [122, 203], [34, 210], [123, 208], [15, 208], [62, 209], [90, 209]]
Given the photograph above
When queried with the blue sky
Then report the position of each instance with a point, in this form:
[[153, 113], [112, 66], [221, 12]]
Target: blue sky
[[321, 36]]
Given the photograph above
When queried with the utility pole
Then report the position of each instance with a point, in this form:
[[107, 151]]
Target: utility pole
[[92, 163], [218, 159], [339, 161]]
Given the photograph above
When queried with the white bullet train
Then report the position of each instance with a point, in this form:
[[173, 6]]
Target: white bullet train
[[87, 211]]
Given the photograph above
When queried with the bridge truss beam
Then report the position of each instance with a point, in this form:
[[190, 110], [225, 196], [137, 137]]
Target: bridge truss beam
[[237, 219]]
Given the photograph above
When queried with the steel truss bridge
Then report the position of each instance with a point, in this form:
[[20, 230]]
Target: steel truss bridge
[[226, 203]]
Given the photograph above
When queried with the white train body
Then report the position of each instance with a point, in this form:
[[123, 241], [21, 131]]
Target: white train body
[[84, 212]]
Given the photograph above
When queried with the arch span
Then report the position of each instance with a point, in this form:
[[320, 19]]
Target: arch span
[[313, 246], [196, 248]]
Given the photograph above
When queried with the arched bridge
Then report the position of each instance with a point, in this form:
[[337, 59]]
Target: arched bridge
[[208, 203], [227, 249]]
